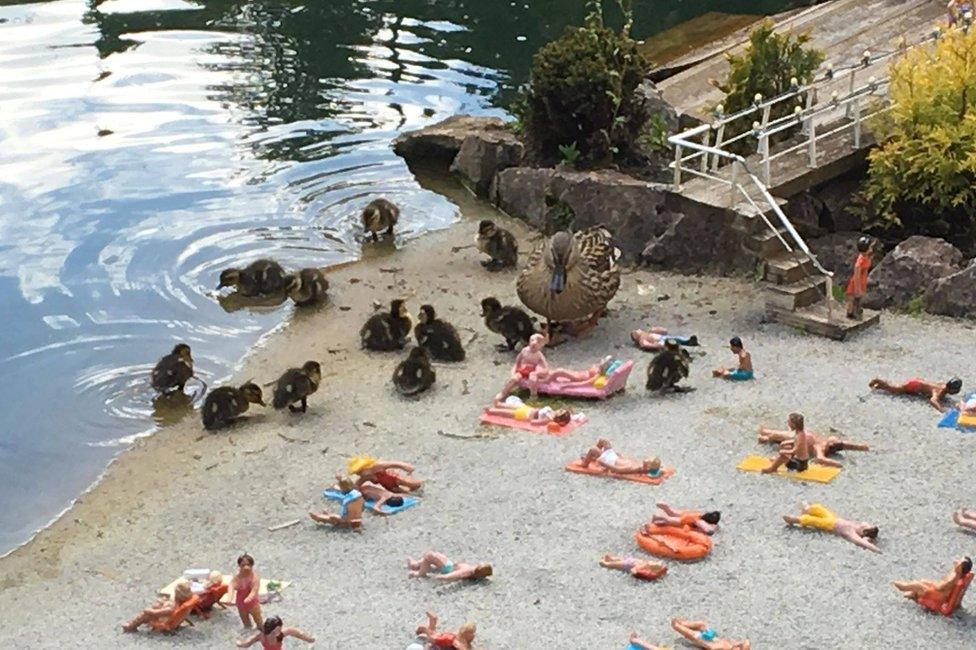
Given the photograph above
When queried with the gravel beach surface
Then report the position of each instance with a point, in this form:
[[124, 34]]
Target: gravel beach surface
[[186, 498]]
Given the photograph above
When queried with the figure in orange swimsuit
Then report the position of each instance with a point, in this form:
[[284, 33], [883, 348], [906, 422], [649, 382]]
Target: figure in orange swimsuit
[[706, 522], [935, 594], [857, 286]]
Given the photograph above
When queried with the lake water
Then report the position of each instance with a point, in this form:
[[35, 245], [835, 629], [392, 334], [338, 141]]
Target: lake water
[[147, 144]]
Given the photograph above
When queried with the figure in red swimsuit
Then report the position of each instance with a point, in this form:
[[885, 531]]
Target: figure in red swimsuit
[[934, 390]]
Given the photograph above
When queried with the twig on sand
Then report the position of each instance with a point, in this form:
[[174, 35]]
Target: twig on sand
[[461, 436], [455, 249], [287, 524], [392, 269], [287, 439], [255, 451]]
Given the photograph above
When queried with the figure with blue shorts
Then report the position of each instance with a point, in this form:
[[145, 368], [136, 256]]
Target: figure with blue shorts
[[744, 370]]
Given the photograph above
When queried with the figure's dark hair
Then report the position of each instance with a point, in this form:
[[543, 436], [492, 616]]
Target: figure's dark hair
[[735, 342], [863, 244], [270, 624], [954, 385], [245, 558], [712, 517], [966, 566]]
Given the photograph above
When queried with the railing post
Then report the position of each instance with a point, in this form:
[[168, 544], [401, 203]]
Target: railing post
[[733, 182], [811, 100], [830, 299], [677, 167], [719, 136], [812, 144], [764, 143], [857, 123], [850, 91], [704, 157]]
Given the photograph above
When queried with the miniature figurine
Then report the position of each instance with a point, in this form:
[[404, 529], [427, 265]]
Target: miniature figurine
[[380, 215], [259, 278], [654, 339], [665, 515], [967, 406], [702, 636], [965, 518], [532, 369], [857, 286], [295, 385], [379, 471], [938, 595], [498, 244], [273, 633], [819, 517], [743, 371], [640, 569], [173, 371], [213, 591], [512, 323], [606, 456], [514, 408], [935, 391], [668, 367], [445, 570], [351, 508], [246, 584], [437, 336], [794, 453], [386, 331], [427, 633], [637, 644], [225, 404], [163, 608], [822, 447], [414, 375]]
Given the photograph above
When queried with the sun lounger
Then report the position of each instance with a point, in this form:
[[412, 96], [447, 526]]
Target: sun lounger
[[595, 469], [596, 388]]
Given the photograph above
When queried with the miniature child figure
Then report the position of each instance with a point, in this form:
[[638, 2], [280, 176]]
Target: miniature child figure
[[604, 455], [379, 471], [702, 636], [822, 447], [445, 570], [514, 408], [665, 515], [916, 589], [857, 286], [653, 340], [161, 608], [636, 643], [640, 569], [351, 508], [246, 584], [463, 640], [213, 591], [965, 518], [273, 633], [935, 391], [794, 453], [744, 370], [817, 516]]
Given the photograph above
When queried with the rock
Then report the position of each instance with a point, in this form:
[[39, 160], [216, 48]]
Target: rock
[[837, 252], [521, 192], [954, 295], [440, 143], [655, 104], [699, 238], [485, 153], [804, 211], [837, 196], [909, 270]]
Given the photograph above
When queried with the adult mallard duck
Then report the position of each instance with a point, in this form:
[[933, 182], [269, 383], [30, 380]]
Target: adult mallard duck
[[571, 277]]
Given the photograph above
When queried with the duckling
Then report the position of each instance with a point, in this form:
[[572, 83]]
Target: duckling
[[511, 322], [259, 278], [668, 367], [379, 215], [295, 385], [174, 370], [414, 375], [307, 287], [387, 330], [225, 404], [438, 336], [499, 244]]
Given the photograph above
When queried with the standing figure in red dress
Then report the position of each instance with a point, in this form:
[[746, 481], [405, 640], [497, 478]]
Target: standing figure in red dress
[[857, 286]]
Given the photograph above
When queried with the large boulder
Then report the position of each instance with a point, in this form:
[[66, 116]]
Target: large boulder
[[699, 238], [484, 154], [440, 143], [805, 211], [836, 252], [910, 269], [521, 192], [954, 295]]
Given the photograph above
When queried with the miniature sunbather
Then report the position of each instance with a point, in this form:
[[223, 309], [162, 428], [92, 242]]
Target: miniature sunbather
[[161, 608], [640, 569], [822, 447], [246, 584], [445, 570], [965, 518], [967, 407], [351, 508], [934, 390], [916, 589], [637, 643], [817, 516], [213, 591], [377, 494], [665, 515], [514, 408], [532, 368], [273, 633], [702, 636], [463, 640], [606, 457], [744, 369], [378, 471], [795, 453], [653, 340]]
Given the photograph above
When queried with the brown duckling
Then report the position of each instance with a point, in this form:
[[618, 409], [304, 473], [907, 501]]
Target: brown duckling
[[174, 370], [378, 216], [498, 244], [387, 331], [511, 322], [414, 375], [307, 287], [295, 385], [259, 278], [438, 336], [225, 404]]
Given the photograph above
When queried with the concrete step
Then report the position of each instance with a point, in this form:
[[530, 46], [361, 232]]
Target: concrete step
[[765, 243], [796, 295], [785, 267], [748, 219], [815, 320]]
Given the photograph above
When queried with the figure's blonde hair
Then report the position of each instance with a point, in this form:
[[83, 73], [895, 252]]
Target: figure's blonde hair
[[182, 591], [216, 578], [468, 628]]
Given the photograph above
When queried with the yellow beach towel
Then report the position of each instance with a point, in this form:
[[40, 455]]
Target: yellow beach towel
[[815, 473]]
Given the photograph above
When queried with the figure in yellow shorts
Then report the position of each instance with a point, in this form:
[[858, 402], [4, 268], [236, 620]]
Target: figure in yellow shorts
[[819, 517]]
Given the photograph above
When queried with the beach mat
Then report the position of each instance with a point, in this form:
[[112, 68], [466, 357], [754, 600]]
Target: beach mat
[[815, 473], [264, 594], [594, 469], [512, 423], [408, 502]]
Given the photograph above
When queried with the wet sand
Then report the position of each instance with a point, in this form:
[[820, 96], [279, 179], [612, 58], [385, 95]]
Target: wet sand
[[187, 498]]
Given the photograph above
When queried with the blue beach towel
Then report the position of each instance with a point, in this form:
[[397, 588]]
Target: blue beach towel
[[950, 420], [408, 502]]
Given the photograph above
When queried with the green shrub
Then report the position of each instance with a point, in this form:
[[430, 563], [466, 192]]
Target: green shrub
[[582, 90]]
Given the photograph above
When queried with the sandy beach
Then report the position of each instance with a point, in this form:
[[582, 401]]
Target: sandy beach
[[187, 498]]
